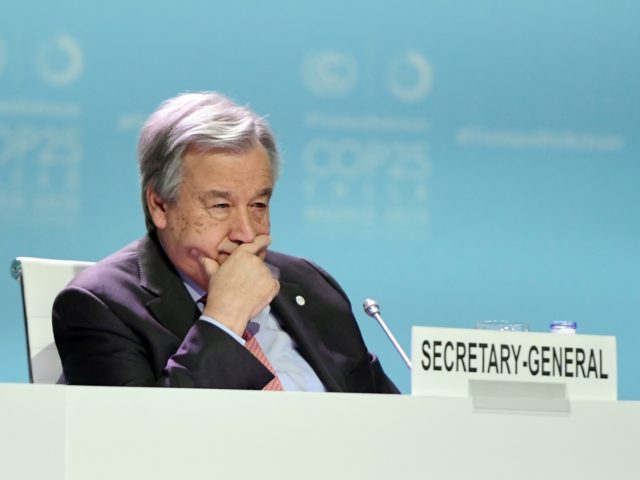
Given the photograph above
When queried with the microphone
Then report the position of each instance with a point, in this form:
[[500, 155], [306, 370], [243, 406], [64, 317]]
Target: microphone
[[372, 309]]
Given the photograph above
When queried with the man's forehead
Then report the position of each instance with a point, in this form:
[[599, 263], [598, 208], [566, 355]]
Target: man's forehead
[[231, 162], [204, 150]]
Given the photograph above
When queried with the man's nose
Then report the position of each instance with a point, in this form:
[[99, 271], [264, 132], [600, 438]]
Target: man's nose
[[242, 230]]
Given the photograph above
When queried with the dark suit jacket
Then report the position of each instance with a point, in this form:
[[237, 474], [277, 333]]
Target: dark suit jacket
[[129, 320]]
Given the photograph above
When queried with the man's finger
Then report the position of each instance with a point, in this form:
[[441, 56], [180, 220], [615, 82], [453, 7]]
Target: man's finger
[[210, 266], [275, 290], [259, 244]]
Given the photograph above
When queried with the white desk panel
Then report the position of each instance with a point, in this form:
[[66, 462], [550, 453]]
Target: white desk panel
[[192, 434], [32, 432]]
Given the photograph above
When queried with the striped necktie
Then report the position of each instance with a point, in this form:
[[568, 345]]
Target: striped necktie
[[254, 347], [251, 344]]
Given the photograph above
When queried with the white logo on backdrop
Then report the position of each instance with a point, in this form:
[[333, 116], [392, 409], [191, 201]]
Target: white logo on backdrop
[[41, 148], [353, 176], [538, 140], [60, 61], [39, 173], [366, 182], [330, 73], [409, 76]]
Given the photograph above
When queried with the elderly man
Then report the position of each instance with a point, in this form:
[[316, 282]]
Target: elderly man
[[200, 301]]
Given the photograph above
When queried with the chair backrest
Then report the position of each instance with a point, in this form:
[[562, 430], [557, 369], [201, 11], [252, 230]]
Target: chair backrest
[[41, 280]]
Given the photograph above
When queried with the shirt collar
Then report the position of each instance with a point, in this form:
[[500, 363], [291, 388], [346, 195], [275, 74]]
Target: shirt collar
[[194, 290]]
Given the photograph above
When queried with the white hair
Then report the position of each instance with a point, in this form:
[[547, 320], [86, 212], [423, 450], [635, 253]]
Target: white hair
[[206, 120]]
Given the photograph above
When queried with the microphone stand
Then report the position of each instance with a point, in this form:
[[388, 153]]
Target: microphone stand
[[372, 309]]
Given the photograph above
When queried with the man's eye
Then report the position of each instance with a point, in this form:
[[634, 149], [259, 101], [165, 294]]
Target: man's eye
[[220, 206], [260, 205]]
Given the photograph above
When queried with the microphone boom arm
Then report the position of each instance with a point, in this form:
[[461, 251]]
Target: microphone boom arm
[[372, 309]]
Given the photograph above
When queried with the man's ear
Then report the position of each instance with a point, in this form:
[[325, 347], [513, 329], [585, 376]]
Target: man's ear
[[157, 208]]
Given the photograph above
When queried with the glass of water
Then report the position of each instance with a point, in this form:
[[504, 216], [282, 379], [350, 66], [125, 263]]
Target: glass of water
[[502, 325]]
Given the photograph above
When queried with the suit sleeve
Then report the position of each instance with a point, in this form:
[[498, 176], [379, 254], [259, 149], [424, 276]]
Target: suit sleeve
[[98, 347], [368, 375]]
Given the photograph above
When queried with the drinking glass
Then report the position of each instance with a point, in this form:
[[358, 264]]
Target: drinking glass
[[502, 325]]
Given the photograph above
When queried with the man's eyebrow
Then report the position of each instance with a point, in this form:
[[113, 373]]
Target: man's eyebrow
[[265, 192], [217, 194]]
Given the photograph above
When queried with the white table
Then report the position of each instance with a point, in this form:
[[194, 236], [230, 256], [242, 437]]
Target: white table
[[84, 433]]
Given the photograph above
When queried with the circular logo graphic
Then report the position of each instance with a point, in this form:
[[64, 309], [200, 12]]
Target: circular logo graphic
[[60, 61], [410, 76], [330, 73]]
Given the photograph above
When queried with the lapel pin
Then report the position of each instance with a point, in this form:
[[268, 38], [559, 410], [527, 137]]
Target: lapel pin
[[300, 300]]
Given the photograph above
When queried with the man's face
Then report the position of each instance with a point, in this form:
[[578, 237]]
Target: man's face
[[222, 203]]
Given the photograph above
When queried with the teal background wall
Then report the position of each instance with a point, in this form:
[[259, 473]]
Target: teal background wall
[[457, 161]]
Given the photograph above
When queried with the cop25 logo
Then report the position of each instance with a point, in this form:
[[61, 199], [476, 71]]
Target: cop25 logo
[[58, 61], [408, 75], [330, 73]]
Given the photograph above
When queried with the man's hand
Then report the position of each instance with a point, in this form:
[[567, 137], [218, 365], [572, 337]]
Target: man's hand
[[241, 287]]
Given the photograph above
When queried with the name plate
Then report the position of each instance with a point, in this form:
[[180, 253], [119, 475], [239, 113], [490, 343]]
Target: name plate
[[450, 361]]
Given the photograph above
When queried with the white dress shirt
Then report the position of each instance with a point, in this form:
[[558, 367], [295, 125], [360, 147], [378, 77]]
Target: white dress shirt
[[294, 372]]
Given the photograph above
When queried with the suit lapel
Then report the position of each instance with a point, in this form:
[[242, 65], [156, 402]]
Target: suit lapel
[[172, 306], [306, 337]]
